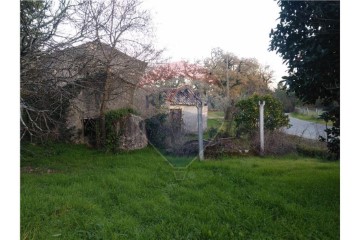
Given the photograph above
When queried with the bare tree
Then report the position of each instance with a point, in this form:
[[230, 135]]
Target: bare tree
[[40, 21], [238, 77], [245, 76], [117, 34], [119, 26]]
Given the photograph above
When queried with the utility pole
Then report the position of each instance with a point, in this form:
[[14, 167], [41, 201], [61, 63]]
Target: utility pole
[[261, 110]]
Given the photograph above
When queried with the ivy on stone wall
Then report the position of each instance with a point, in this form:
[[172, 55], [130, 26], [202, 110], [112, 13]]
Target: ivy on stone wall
[[114, 118]]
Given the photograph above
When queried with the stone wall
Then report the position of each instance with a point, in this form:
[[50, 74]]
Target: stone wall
[[86, 68], [133, 133], [87, 106]]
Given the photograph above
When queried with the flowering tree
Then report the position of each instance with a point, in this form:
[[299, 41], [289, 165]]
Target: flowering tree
[[177, 74]]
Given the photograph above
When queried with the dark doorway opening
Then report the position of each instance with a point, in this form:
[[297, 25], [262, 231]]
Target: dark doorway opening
[[91, 129]]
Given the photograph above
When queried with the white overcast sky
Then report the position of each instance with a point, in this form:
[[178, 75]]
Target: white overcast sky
[[189, 29]]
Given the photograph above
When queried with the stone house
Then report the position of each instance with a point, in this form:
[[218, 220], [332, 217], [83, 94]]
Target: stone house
[[100, 77]]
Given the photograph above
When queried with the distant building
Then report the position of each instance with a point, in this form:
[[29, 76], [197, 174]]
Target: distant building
[[175, 87], [182, 105]]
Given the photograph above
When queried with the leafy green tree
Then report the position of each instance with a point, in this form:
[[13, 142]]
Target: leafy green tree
[[308, 39], [288, 99], [247, 115]]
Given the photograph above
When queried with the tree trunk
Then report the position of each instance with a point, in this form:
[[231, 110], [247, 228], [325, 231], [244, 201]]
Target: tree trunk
[[229, 118], [104, 100]]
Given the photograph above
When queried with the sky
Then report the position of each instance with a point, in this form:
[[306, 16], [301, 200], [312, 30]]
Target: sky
[[189, 29]]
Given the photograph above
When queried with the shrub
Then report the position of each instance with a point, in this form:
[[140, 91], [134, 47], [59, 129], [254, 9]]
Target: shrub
[[212, 132], [247, 114], [112, 119], [280, 143], [288, 100], [156, 130], [276, 143], [333, 134]]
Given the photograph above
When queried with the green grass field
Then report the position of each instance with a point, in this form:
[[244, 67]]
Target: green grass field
[[216, 114], [214, 123], [71, 192]]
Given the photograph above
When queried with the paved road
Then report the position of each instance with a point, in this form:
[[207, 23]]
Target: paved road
[[305, 129]]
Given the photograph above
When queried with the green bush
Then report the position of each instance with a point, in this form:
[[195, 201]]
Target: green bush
[[112, 118], [247, 114], [332, 114], [288, 100], [157, 130], [212, 132]]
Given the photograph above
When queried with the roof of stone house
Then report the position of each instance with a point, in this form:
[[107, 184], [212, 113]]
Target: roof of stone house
[[182, 96], [89, 59]]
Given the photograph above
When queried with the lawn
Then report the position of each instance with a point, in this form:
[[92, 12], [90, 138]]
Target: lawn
[[71, 192], [214, 123], [216, 114]]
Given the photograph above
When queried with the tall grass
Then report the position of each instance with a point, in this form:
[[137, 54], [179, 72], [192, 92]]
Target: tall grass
[[71, 192]]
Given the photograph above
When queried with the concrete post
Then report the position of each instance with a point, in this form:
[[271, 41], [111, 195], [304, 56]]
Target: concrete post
[[261, 125], [200, 131], [227, 80]]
